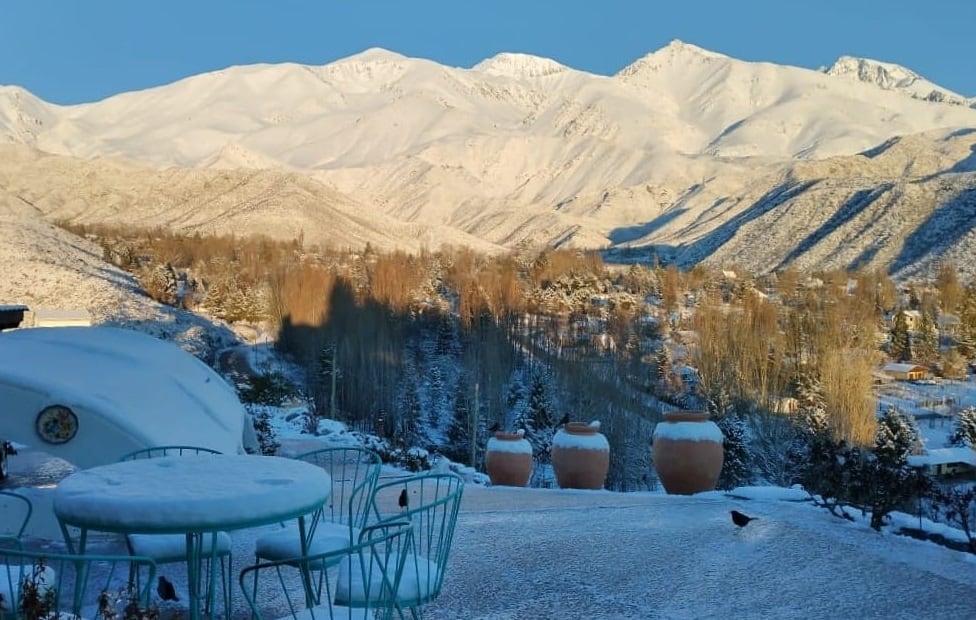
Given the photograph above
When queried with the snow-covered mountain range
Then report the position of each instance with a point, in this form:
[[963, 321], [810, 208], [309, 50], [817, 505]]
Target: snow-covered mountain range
[[688, 152]]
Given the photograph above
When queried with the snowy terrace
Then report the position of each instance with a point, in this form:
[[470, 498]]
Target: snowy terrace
[[534, 553]]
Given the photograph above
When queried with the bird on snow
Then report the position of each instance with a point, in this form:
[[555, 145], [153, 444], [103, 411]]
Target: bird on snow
[[741, 519], [494, 428], [166, 590], [404, 500], [564, 420]]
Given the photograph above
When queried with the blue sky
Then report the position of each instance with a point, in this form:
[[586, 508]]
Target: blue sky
[[71, 51]]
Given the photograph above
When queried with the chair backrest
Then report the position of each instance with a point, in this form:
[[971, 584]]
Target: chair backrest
[[158, 451], [354, 472], [17, 510], [432, 505], [361, 582], [37, 585]]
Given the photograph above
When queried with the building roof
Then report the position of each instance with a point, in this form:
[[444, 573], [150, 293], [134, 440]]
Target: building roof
[[944, 456], [900, 367]]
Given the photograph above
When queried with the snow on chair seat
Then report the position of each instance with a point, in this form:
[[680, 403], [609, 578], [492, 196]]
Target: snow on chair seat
[[430, 503], [309, 594], [286, 542], [420, 577], [171, 548]]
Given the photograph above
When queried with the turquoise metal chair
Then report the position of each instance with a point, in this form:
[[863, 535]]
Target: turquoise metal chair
[[17, 510], [354, 472], [171, 548], [432, 505], [158, 451], [37, 585], [361, 582]]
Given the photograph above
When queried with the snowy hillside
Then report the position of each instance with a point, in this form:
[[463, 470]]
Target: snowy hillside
[[679, 153], [45, 267]]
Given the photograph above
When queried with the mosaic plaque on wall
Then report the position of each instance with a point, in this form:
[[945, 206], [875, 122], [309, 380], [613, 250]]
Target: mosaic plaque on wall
[[57, 424]]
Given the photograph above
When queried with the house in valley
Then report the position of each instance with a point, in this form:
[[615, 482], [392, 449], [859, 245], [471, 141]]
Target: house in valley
[[906, 371], [946, 462]]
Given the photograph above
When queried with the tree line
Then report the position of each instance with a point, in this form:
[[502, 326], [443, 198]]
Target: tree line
[[433, 348]]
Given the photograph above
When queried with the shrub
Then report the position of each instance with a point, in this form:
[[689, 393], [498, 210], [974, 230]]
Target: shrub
[[267, 439], [270, 388]]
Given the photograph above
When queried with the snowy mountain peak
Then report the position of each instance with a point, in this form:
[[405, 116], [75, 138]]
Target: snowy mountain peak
[[676, 52], [519, 66], [22, 115], [374, 65], [373, 55], [677, 46], [890, 76]]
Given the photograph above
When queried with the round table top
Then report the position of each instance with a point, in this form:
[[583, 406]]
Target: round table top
[[198, 493]]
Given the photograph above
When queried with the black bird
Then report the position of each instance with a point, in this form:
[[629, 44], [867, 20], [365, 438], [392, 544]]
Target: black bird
[[740, 519], [404, 501], [494, 428], [166, 590], [565, 420]]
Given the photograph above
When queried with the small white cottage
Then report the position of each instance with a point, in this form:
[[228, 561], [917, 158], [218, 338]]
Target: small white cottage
[[92, 394]]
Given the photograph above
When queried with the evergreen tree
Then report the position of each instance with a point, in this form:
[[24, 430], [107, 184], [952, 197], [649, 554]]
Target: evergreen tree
[[538, 418], [163, 285], [411, 431], [886, 480], [900, 347], [821, 463], [926, 342], [736, 466], [516, 400], [964, 431], [737, 462], [463, 428], [896, 438], [810, 396], [436, 396], [664, 363]]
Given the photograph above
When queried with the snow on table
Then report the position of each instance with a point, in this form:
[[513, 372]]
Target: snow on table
[[204, 493]]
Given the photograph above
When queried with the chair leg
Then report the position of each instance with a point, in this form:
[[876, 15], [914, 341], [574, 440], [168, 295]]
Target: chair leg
[[134, 578], [255, 590], [208, 604], [225, 579]]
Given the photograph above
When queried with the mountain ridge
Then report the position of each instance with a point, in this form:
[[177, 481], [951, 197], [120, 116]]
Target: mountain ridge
[[678, 154]]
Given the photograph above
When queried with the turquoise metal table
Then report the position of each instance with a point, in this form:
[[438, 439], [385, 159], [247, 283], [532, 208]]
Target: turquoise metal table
[[191, 495]]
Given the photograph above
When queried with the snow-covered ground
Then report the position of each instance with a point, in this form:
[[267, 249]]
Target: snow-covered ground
[[543, 553], [523, 553]]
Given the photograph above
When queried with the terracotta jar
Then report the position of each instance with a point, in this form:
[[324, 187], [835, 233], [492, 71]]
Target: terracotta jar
[[580, 456], [687, 451], [508, 460]]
